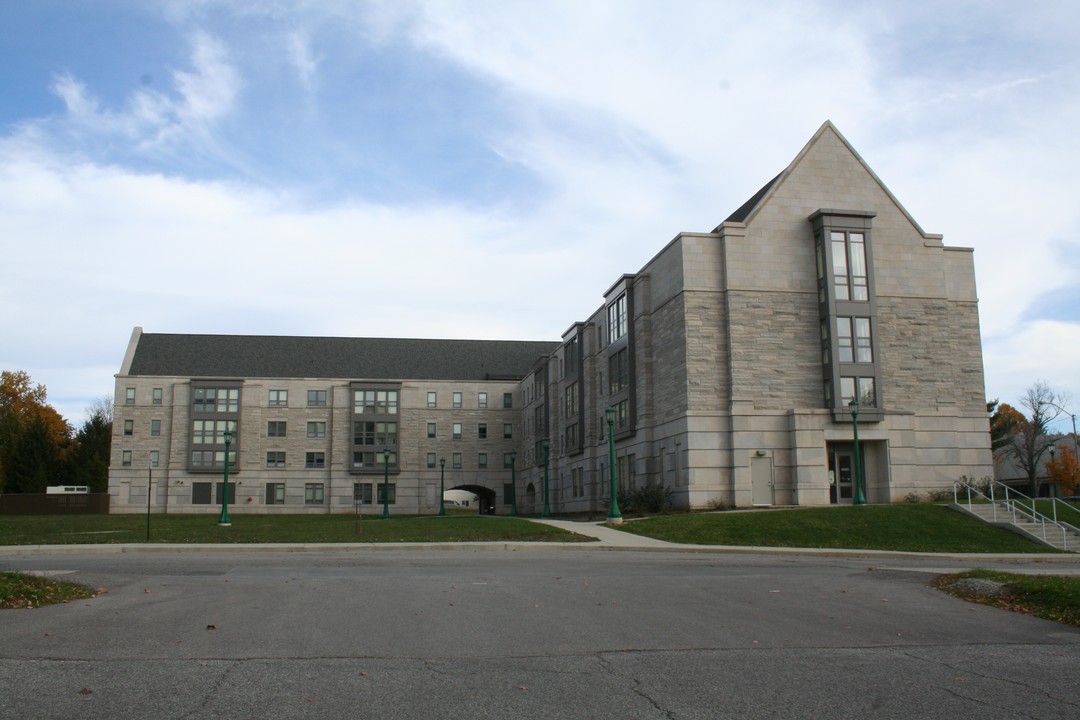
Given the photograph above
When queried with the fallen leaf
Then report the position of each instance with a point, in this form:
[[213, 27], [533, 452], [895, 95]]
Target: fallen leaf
[[85, 691], [363, 674], [102, 591], [523, 687], [211, 627], [146, 590]]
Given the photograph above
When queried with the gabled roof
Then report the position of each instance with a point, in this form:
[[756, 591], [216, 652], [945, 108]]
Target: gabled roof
[[747, 210], [269, 356]]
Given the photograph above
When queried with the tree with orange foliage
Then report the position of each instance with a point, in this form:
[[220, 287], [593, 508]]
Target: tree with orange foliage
[[1062, 469], [27, 421]]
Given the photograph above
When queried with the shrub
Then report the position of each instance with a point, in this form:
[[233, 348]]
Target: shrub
[[648, 499]]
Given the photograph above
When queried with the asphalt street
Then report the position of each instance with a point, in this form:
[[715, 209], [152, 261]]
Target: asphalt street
[[492, 632]]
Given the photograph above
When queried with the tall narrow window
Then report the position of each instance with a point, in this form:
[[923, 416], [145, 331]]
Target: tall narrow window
[[617, 318]]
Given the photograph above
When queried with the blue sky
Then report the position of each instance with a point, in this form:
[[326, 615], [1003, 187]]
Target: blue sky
[[486, 169]]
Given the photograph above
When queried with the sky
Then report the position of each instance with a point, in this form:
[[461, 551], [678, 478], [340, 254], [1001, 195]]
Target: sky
[[486, 170]]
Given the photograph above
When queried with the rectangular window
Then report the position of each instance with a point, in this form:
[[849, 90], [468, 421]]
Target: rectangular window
[[275, 459], [457, 400], [275, 493], [219, 491], [313, 493], [129, 427], [316, 429], [457, 431], [508, 400], [457, 461], [155, 428], [481, 461], [314, 460], [848, 250], [481, 401], [375, 402], [617, 318], [200, 493], [432, 399], [125, 458], [431, 427], [279, 398], [571, 436], [275, 428], [619, 371], [864, 350], [370, 459], [129, 396], [431, 460], [361, 493], [154, 458], [622, 414], [316, 398], [570, 400], [391, 495], [508, 431], [156, 396], [867, 393], [481, 431], [508, 494]]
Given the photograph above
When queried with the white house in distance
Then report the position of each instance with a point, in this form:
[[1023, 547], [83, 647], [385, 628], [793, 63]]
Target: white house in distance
[[729, 361]]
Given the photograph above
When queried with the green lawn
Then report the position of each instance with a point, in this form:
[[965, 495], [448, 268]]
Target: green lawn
[[914, 528], [85, 529], [18, 590], [1052, 597]]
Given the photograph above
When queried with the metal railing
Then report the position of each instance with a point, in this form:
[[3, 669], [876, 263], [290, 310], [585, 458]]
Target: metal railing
[[1016, 507]]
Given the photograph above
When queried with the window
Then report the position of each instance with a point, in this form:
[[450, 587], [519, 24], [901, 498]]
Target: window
[[617, 318], [154, 458], [457, 431], [432, 399], [371, 459], [361, 493], [382, 434], [508, 494], [508, 400], [570, 400], [155, 428], [275, 459], [457, 400], [431, 429], [571, 437], [129, 427], [481, 401], [619, 371], [391, 493], [275, 493], [865, 385], [481, 431], [129, 396], [315, 460], [457, 461], [375, 402], [848, 250], [622, 414], [431, 460], [279, 398], [200, 493], [316, 398], [577, 482], [508, 431], [481, 461], [853, 340], [316, 429], [156, 396], [275, 428], [125, 458], [211, 432], [221, 400], [313, 493], [219, 491]]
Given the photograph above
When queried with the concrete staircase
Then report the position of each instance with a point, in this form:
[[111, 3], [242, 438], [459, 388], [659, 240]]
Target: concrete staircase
[[1059, 536]]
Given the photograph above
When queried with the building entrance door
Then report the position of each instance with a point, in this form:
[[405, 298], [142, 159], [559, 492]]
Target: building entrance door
[[761, 481], [841, 476]]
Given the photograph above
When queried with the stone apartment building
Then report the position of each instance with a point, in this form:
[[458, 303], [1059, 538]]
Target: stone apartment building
[[729, 361]]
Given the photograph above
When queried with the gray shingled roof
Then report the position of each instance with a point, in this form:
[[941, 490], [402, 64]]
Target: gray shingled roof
[[747, 207], [263, 356]]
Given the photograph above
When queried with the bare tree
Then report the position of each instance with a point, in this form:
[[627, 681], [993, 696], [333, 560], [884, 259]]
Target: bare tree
[[1030, 440], [102, 408]]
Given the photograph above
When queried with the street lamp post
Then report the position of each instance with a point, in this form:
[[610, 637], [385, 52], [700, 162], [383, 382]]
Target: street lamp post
[[442, 486], [614, 516], [513, 483], [386, 483], [223, 521], [860, 491], [546, 444], [149, 489]]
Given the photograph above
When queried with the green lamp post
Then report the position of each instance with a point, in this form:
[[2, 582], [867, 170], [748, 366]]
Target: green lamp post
[[386, 483], [614, 516], [546, 445], [860, 491], [442, 486], [224, 519], [513, 483]]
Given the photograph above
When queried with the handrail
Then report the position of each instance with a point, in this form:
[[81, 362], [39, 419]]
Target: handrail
[[1013, 505]]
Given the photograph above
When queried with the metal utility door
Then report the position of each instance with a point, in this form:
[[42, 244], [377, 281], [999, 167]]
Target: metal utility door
[[761, 480]]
